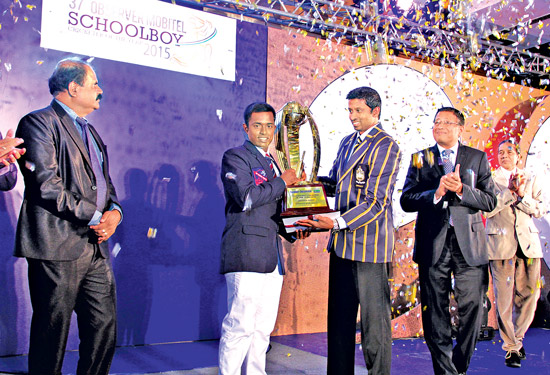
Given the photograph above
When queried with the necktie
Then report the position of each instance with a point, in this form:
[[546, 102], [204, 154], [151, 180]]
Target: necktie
[[270, 162], [353, 147], [447, 163], [101, 184], [357, 143], [448, 168]]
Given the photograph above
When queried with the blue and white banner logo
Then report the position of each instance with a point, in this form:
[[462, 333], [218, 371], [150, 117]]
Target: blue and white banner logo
[[145, 32]]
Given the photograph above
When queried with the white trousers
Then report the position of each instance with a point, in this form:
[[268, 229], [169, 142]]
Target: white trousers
[[252, 304]]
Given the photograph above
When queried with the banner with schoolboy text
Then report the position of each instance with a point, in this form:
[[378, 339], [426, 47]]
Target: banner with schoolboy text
[[145, 32]]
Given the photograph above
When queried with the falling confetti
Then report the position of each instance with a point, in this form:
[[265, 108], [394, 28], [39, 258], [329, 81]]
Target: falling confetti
[[152, 233]]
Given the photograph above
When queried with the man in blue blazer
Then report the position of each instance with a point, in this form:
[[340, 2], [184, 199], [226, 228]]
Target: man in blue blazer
[[449, 184], [361, 243], [69, 211], [251, 250]]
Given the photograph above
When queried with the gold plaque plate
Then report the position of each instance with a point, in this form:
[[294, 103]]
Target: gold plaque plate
[[305, 196], [307, 199]]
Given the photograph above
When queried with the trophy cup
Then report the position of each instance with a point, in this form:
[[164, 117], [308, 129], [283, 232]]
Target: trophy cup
[[308, 197]]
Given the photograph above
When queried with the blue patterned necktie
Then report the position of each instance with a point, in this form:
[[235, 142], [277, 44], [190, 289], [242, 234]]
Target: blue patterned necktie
[[101, 184], [447, 163], [448, 168]]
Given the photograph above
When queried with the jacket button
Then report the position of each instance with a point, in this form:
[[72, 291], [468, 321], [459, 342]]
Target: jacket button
[[94, 188]]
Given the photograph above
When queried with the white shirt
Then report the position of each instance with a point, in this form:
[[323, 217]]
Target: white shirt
[[508, 173]]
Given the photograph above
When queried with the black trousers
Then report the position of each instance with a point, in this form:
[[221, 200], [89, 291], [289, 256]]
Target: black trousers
[[85, 285], [352, 284], [470, 287]]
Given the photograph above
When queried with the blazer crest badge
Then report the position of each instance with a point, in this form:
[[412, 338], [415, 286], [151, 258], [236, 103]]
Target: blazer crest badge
[[259, 175]]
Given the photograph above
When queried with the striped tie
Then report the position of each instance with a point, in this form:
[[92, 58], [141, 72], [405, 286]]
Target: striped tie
[[357, 143], [353, 147], [270, 162]]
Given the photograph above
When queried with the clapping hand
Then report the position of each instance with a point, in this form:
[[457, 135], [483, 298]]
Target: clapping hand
[[8, 151]]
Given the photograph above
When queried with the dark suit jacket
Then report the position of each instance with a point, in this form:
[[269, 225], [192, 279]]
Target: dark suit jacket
[[60, 191], [9, 178], [432, 221], [250, 239], [362, 183]]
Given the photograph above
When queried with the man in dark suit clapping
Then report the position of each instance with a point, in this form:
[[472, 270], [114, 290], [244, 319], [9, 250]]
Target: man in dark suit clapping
[[448, 185], [69, 211]]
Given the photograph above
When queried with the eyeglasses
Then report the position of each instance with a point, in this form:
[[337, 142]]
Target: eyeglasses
[[444, 123]]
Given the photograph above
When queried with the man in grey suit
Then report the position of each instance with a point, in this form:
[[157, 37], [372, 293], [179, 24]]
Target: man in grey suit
[[448, 185], [514, 250], [251, 250], [69, 211]]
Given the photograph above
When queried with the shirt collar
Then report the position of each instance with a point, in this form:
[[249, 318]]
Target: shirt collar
[[508, 173], [362, 137], [72, 114], [261, 150], [454, 149]]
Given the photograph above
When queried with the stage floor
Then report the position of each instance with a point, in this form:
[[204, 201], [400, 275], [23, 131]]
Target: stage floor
[[302, 354]]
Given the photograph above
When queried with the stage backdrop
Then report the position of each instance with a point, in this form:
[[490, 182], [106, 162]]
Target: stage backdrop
[[319, 73], [166, 133]]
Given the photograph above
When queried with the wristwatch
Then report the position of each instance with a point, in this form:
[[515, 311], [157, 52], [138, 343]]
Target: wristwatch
[[335, 225]]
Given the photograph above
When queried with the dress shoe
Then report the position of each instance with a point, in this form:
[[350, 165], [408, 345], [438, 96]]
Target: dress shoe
[[522, 354], [512, 359]]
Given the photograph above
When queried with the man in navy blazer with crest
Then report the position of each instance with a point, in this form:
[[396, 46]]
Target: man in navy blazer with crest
[[361, 243], [449, 184], [251, 250]]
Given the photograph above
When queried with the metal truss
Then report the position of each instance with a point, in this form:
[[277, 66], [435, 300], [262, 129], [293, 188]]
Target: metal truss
[[449, 40]]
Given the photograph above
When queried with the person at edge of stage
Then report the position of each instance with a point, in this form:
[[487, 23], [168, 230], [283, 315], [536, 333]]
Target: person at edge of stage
[[361, 242], [251, 250], [69, 211], [515, 251], [449, 184], [9, 153]]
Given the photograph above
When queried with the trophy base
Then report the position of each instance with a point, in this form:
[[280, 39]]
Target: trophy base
[[301, 202], [290, 218], [306, 211]]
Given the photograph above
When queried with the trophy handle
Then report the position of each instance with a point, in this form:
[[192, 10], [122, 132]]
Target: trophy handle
[[316, 147], [280, 151]]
